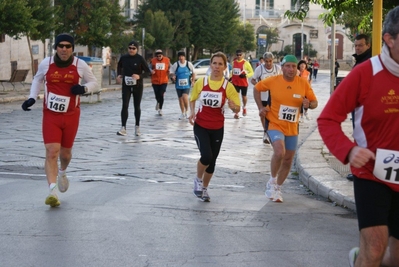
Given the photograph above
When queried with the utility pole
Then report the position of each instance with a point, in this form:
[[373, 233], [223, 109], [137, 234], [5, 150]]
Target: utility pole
[[332, 59], [302, 40]]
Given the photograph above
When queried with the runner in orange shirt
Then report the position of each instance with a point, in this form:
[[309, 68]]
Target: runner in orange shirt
[[287, 93], [160, 76]]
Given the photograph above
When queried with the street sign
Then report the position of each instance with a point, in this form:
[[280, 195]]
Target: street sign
[[314, 34]]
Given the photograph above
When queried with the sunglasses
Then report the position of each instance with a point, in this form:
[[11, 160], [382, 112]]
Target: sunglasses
[[67, 46], [159, 55], [238, 55], [132, 48]]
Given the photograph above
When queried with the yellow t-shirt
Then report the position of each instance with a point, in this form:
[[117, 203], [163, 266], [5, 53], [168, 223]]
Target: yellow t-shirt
[[231, 92], [286, 101]]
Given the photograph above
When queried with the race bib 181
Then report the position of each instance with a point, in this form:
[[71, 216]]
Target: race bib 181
[[287, 113]]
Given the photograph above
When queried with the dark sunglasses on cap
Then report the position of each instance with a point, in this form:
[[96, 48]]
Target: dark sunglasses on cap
[[132, 48], [64, 45]]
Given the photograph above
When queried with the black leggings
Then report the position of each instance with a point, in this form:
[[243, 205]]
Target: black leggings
[[159, 91], [209, 143], [137, 92]]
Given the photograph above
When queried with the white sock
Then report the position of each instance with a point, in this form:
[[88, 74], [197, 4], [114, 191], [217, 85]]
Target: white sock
[[273, 180], [199, 180], [52, 186], [61, 172]]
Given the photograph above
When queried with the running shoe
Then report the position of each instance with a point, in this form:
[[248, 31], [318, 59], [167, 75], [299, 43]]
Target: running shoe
[[157, 107], [301, 119], [160, 112], [62, 182], [182, 116], [197, 187], [137, 131], [278, 197], [269, 192], [244, 111], [306, 116], [122, 131], [205, 197], [266, 138], [185, 115], [353, 253], [236, 116], [52, 199]]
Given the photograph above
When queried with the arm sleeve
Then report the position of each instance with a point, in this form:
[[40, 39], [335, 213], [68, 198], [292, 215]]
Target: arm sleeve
[[248, 69], [232, 94], [39, 78], [87, 75]]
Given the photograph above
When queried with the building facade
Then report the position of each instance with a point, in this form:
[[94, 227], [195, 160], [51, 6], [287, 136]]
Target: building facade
[[269, 14]]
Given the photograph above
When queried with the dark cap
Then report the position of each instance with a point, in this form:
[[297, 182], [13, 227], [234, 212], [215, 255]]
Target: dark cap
[[302, 62], [134, 43], [238, 51], [181, 53], [64, 37]]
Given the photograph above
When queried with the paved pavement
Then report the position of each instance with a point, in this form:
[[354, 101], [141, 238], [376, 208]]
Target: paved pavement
[[130, 201], [317, 168]]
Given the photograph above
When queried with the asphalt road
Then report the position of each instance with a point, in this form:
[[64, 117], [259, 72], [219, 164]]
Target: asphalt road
[[130, 201]]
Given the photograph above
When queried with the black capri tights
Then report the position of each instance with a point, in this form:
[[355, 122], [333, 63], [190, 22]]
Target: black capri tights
[[209, 143], [137, 92]]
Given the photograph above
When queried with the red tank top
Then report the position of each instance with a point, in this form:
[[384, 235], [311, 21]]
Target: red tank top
[[238, 68], [58, 82], [210, 113]]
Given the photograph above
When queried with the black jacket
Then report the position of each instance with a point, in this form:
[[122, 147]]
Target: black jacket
[[362, 57]]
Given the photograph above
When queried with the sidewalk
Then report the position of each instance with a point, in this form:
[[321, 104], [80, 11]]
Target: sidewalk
[[318, 170]]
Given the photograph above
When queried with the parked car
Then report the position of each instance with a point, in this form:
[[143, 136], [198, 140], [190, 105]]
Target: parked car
[[201, 67]]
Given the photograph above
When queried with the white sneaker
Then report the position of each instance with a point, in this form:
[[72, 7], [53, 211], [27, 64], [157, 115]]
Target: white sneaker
[[301, 119], [157, 107], [62, 182], [52, 198], [122, 131], [185, 115], [197, 187], [205, 196], [278, 197], [160, 112], [353, 253], [137, 131], [306, 116], [182, 116], [270, 190]]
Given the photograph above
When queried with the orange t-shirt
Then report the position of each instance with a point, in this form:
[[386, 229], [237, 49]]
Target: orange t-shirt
[[161, 68], [286, 101]]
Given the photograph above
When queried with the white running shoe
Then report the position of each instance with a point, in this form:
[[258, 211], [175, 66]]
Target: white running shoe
[[270, 190], [182, 116], [157, 107], [353, 253], [62, 182], [301, 119], [122, 131], [137, 131], [278, 197], [205, 197], [160, 112], [52, 198], [197, 187], [307, 117]]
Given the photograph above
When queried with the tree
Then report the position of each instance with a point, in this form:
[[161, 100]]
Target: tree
[[216, 22], [159, 27], [91, 22], [337, 8], [15, 17]]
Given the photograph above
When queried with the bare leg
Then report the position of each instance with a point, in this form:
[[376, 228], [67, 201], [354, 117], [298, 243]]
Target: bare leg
[[373, 243], [391, 256], [51, 162], [285, 166]]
